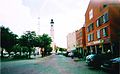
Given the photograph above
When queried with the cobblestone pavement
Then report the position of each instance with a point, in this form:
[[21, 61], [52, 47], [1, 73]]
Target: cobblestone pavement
[[54, 64]]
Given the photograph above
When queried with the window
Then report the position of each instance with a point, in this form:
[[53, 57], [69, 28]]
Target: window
[[98, 24], [88, 37], [91, 14], [99, 21], [92, 36], [90, 27], [104, 5], [80, 33], [98, 34], [105, 32], [105, 17]]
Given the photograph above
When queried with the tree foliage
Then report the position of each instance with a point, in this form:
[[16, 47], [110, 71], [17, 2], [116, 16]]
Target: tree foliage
[[44, 41], [28, 40], [8, 39], [26, 43]]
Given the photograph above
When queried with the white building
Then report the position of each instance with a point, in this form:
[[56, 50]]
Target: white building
[[71, 41]]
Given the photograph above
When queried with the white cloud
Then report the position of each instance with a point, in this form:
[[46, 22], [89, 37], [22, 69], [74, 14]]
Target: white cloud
[[15, 16]]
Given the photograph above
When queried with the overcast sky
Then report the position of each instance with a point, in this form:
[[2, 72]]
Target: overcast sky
[[22, 15]]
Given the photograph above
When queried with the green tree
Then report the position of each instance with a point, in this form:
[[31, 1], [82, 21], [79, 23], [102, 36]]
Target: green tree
[[44, 42], [8, 40], [62, 49], [25, 49], [17, 48], [28, 40]]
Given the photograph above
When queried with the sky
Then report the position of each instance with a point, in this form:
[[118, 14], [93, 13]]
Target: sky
[[22, 15]]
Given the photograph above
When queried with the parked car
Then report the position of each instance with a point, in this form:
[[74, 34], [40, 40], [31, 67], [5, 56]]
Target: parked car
[[6, 54], [96, 60], [112, 65], [71, 54]]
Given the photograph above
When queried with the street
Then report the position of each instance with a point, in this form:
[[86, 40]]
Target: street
[[54, 64]]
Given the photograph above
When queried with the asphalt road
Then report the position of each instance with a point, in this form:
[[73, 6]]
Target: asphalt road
[[54, 64]]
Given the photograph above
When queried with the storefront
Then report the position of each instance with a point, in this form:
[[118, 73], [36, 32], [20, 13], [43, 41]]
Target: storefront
[[99, 46]]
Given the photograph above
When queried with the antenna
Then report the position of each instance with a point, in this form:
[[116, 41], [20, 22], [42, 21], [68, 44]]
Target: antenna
[[38, 25]]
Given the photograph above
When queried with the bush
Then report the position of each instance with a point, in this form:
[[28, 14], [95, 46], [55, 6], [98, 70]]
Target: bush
[[17, 56]]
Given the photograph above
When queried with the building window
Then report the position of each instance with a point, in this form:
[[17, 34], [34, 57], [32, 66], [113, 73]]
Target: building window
[[91, 14], [98, 24], [99, 21], [90, 27], [105, 17], [104, 5], [105, 32], [80, 33], [98, 34], [92, 36], [89, 37]]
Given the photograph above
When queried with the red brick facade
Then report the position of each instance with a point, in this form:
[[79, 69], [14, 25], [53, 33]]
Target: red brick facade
[[102, 26], [80, 38]]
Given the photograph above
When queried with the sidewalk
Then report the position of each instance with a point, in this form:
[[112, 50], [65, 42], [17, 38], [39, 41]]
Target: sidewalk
[[78, 59]]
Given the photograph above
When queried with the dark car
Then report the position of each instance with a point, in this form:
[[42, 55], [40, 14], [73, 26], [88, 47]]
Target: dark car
[[112, 65], [96, 60]]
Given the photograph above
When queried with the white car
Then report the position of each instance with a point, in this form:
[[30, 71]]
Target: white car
[[70, 54]]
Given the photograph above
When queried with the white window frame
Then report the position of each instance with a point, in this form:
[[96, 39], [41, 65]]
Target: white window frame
[[91, 14], [92, 36], [105, 17], [97, 24], [98, 34], [88, 37], [105, 32]]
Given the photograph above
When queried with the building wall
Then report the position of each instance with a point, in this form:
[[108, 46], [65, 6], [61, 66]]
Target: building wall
[[95, 11], [80, 41], [107, 13], [71, 40], [115, 22], [80, 37]]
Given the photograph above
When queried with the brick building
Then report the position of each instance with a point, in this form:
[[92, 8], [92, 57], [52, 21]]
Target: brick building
[[80, 40], [102, 26]]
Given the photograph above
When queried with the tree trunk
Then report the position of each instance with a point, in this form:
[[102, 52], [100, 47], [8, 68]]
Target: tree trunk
[[20, 52], [42, 52], [1, 52], [9, 54], [29, 52]]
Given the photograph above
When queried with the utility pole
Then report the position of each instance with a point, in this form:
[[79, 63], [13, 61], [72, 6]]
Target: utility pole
[[38, 25], [38, 33]]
